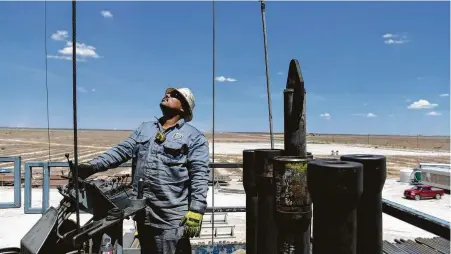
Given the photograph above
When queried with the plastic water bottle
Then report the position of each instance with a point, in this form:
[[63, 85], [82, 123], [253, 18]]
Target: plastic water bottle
[[107, 248]]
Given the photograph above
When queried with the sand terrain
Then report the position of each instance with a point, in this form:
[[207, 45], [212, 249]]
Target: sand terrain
[[401, 151]]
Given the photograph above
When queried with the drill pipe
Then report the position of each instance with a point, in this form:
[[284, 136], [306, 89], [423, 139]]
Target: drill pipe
[[293, 204], [267, 229], [369, 210], [295, 136], [251, 200], [335, 188]]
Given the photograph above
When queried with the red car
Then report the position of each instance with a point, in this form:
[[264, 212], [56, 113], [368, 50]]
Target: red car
[[423, 191]]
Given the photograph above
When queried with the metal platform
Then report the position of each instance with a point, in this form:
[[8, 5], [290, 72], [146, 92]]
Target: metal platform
[[436, 245]]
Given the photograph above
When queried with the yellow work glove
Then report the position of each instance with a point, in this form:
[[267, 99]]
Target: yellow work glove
[[193, 224]]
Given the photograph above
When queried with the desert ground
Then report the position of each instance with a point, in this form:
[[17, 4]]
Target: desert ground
[[401, 151]]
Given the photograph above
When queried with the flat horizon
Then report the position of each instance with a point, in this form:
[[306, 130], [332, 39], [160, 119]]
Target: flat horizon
[[222, 131]]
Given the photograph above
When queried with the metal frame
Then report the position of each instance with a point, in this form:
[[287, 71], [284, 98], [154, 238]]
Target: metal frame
[[17, 202], [28, 167], [45, 185]]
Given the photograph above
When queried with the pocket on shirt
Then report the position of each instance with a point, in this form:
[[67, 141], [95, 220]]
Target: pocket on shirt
[[174, 153], [141, 151], [142, 146]]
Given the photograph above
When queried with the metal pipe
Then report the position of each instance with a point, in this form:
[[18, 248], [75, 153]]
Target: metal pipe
[[293, 204], [296, 240], [335, 188], [267, 230], [251, 201], [213, 113], [369, 210], [295, 136], [268, 90], [289, 146], [74, 102]]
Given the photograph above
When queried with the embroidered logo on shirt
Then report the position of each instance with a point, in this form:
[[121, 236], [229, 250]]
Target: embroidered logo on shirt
[[177, 135]]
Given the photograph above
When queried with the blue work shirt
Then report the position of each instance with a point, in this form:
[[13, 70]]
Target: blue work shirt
[[175, 172]]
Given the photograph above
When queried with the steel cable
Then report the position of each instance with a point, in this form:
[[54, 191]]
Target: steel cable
[[213, 121], [74, 92], [46, 75], [268, 91]]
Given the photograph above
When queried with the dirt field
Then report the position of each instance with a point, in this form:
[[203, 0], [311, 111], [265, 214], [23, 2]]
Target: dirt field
[[33, 145]]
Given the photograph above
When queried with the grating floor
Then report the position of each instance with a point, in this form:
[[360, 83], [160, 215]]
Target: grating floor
[[436, 245]]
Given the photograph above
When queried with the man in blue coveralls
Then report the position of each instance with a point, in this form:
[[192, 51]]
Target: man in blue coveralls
[[172, 158]]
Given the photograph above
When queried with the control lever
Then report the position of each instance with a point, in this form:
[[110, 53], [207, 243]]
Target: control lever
[[140, 189], [121, 179], [112, 185], [71, 174], [71, 166], [139, 202], [126, 177]]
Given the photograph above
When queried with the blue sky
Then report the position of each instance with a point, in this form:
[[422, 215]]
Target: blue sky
[[369, 67]]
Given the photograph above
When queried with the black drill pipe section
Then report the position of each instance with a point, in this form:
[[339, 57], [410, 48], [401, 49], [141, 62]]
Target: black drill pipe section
[[295, 135], [250, 187], [416, 218], [335, 188], [293, 204], [295, 144], [369, 210], [289, 144], [266, 226]]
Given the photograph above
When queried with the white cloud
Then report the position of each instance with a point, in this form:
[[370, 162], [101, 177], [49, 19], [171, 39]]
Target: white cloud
[[444, 95], [369, 115], [326, 116], [106, 14], [59, 57], [280, 73], [224, 79], [82, 89], [390, 38], [68, 58], [433, 113], [60, 35], [83, 50], [422, 104]]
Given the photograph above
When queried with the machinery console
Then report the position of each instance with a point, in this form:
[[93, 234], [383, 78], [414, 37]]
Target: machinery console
[[110, 201]]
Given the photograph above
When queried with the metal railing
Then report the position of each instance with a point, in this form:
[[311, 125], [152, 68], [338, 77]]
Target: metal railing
[[17, 202], [46, 172], [421, 220]]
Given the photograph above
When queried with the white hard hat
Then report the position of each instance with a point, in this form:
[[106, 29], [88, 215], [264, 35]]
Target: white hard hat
[[189, 98]]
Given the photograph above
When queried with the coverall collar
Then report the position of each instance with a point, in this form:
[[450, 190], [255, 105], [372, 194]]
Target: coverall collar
[[178, 124]]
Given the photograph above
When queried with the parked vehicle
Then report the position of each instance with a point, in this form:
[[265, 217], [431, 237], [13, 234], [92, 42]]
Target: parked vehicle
[[423, 191], [435, 175]]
